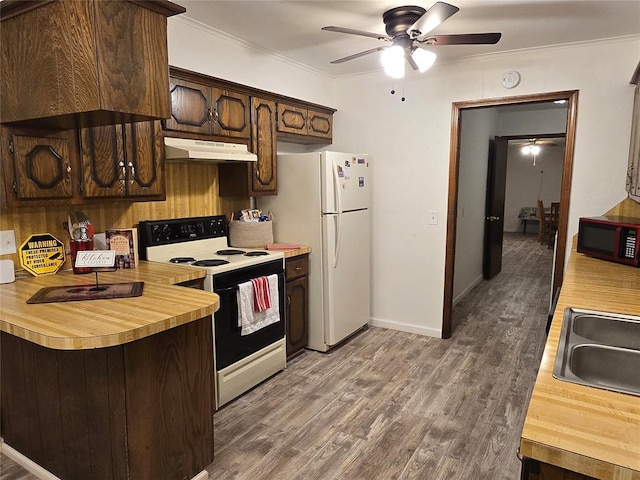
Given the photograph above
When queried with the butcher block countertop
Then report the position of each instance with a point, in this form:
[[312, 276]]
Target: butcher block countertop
[[587, 430], [297, 252], [90, 324]]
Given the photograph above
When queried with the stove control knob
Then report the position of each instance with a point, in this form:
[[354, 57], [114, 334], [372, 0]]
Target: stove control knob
[[166, 232]]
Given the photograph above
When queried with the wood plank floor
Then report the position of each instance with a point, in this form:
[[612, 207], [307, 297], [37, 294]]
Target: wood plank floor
[[393, 405]]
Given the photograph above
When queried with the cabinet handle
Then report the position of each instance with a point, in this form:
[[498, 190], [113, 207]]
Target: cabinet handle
[[209, 114], [216, 115], [133, 172], [257, 173], [288, 300], [124, 171], [67, 167], [298, 268]]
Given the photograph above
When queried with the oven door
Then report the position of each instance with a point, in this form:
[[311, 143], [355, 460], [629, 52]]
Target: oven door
[[230, 346]]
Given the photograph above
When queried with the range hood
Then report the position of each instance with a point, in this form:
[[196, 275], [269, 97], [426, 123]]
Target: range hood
[[203, 151]]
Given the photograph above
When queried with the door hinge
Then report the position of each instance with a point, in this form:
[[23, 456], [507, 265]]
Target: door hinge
[[10, 146], [14, 185], [80, 187]]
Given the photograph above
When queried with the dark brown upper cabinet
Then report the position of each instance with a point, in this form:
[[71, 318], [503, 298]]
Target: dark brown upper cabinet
[[205, 109], [38, 168], [123, 161], [259, 178], [69, 64], [300, 121]]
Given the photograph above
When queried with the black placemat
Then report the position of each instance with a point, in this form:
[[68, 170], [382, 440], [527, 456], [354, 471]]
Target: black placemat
[[76, 293]]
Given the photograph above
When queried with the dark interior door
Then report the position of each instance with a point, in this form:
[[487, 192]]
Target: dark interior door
[[494, 211]]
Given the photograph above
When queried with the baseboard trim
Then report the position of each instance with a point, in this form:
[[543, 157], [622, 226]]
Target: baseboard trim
[[27, 463], [203, 475], [41, 473], [405, 327], [463, 294]]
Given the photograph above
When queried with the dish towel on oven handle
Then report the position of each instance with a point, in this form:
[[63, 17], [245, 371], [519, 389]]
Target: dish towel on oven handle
[[250, 320], [261, 294]]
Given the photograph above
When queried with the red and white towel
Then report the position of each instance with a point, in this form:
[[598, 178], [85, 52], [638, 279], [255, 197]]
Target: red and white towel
[[261, 294], [251, 320]]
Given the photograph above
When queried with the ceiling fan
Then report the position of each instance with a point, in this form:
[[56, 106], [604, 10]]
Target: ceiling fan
[[532, 146], [408, 30], [535, 142]]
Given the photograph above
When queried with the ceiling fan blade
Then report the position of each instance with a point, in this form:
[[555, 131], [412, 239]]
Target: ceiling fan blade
[[411, 61], [358, 55], [433, 17], [351, 31], [462, 39]]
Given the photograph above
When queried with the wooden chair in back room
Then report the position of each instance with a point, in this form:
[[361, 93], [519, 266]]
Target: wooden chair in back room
[[544, 225]]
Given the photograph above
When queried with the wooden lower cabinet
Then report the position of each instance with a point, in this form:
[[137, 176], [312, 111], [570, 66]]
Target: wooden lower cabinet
[[297, 304], [139, 410], [535, 470]]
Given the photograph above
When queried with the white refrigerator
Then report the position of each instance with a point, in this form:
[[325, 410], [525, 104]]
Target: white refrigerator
[[323, 202]]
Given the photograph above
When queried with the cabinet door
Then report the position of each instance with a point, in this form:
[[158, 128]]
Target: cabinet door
[[42, 167], [103, 161], [292, 119], [264, 145], [144, 160], [297, 315], [231, 113], [190, 107], [123, 161], [319, 124]]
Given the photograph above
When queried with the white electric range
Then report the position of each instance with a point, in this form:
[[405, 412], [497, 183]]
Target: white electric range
[[241, 361]]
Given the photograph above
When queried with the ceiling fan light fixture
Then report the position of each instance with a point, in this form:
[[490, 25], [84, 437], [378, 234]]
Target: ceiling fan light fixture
[[392, 59], [423, 58]]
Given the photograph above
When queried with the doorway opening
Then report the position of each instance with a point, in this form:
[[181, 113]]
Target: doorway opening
[[571, 99]]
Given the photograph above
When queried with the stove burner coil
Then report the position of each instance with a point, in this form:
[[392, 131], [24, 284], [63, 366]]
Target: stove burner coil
[[256, 254], [182, 260], [210, 263], [230, 251]]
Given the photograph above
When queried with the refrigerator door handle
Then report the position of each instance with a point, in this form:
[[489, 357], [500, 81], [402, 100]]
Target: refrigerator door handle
[[337, 195], [338, 240]]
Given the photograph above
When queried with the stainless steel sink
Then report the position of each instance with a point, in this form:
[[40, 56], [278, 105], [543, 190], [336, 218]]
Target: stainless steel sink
[[599, 349]]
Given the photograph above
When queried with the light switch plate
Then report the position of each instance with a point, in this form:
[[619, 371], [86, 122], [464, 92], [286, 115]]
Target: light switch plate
[[7, 242], [7, 274]]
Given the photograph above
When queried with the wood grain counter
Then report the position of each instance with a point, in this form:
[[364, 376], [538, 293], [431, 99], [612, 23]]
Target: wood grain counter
[[104, 323], [297, 252], [120, 388], [587, 430]]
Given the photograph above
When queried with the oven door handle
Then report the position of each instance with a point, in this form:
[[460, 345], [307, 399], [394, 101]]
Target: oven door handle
[[233, 317], [229, 289]]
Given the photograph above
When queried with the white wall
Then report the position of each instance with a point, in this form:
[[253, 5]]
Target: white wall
[[478, 126], [201, 49], [409, 142], [527, 182]]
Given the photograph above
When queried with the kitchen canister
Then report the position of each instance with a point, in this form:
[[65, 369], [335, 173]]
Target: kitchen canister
[[250, 234]]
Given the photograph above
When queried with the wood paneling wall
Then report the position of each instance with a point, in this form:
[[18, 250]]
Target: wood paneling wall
[[626, 208], [192, 190]]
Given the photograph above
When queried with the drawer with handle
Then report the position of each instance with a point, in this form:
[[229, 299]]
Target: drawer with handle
[[296, 267]]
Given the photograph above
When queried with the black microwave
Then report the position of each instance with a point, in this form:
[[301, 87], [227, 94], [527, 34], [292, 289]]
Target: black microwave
[[610, 238]]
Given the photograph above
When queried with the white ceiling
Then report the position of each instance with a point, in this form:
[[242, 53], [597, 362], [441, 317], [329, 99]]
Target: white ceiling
[[292, 29]]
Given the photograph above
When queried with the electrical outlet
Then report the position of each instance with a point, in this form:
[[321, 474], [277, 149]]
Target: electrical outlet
[[433, 217], [7, 242]]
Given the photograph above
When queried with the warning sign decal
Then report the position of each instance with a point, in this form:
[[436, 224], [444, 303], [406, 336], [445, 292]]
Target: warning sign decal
[[41, 254]]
